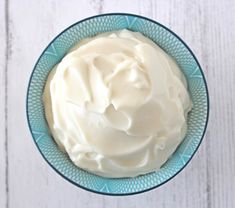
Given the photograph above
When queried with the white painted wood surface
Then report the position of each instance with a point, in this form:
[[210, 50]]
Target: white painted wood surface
[[2, 106], [26, 27]]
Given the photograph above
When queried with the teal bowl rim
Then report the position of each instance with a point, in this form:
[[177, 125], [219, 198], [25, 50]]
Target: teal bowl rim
[[204, 80]]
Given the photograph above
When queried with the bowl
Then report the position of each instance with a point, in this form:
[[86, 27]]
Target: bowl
[[174, 46]]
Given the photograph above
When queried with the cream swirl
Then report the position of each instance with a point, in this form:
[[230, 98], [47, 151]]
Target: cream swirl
[[117, 104]]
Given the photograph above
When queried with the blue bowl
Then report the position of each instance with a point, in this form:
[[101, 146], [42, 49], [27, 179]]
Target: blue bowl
[[173, 45]]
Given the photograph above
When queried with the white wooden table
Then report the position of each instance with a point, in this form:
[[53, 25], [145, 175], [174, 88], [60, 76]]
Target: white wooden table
[[26, 27]]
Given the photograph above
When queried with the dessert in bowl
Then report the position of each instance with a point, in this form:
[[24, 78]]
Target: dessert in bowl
[[117, 129]]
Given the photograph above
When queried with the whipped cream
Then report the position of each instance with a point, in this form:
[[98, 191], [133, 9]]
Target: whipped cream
[[117, 104]]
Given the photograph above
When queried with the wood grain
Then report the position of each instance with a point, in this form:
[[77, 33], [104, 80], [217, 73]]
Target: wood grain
[[208, 27], [2, 106], [219, 40]]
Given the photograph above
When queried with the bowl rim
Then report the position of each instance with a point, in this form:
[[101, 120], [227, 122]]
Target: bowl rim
[[204, 80]]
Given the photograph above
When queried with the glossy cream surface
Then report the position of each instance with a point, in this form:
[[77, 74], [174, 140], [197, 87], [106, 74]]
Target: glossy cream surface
[[117, 104]]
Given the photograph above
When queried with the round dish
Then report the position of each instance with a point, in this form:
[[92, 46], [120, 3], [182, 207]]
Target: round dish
[[174, 46]]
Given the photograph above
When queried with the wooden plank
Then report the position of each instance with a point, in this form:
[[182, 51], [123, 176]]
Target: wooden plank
[[3, 65], [219, 40]]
